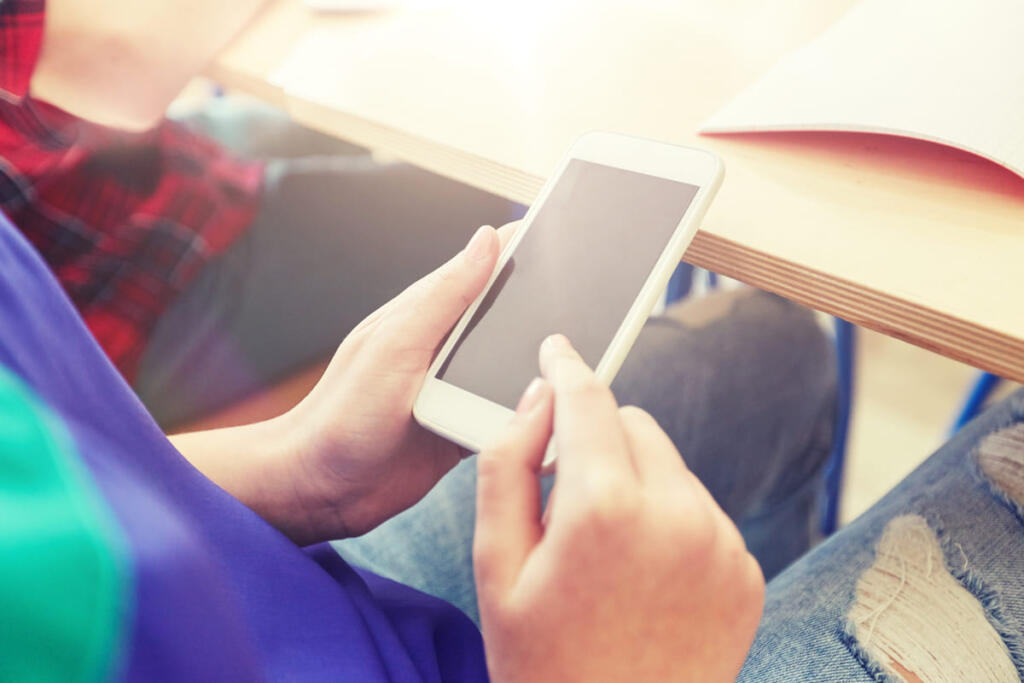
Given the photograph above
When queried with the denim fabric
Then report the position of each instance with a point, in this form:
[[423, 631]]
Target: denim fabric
[[804, 634]]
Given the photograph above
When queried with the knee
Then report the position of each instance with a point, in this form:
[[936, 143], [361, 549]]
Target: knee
[[782, 357], [796, 337], [785, 340]]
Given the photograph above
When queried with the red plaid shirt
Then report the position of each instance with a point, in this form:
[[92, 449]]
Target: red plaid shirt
[[124, 220]]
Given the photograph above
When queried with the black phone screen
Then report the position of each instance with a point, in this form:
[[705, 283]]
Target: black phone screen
[[577, 271]]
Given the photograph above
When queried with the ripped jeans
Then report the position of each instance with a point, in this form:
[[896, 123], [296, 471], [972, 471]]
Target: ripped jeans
[[929, 583]]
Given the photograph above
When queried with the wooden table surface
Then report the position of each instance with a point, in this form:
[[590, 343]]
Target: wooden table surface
[[915, 240]]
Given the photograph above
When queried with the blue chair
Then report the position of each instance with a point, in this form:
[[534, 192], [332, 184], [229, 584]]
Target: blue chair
[[845, 340], [846, 348], [976, 398], [680, 284]]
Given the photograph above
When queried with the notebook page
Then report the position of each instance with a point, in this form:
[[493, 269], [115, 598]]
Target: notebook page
[[947, 71]]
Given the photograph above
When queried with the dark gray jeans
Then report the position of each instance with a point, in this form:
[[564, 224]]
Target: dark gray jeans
[[743, 382]]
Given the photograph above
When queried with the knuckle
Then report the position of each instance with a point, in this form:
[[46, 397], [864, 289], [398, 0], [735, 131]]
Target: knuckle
[[489, 463], [610, 505], [704, 540], [465, 299], [695, 533], [736, 562], [602, 485], [483, 551], [445, 278]]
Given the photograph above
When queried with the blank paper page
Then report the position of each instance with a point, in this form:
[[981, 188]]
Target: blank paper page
[[948, 71]]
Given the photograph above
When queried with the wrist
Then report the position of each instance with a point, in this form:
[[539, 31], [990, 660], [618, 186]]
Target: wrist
[[289, 486], [300, 492], [264, 466]]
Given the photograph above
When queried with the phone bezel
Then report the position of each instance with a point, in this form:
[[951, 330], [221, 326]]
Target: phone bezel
[[473, 421]]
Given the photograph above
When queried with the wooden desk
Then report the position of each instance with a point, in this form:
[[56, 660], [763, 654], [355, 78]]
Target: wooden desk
[[917, 241]]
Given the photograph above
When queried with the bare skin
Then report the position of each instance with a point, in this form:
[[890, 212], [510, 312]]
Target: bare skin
[[119, 63], [634, 573]]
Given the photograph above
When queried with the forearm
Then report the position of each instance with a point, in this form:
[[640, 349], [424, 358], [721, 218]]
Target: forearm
[[121, 62], [257, 465]]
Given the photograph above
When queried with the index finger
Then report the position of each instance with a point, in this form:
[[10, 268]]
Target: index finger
[[588, 432]]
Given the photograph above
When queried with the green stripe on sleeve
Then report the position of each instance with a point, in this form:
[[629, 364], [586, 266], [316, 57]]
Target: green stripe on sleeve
[[64, 576]]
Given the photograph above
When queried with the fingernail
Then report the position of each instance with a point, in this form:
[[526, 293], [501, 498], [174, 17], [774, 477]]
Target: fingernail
[[478, 248], [558, 342], [531, 397]]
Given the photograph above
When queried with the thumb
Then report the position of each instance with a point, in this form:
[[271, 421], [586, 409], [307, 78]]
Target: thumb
[[424, 313], [508, 499]]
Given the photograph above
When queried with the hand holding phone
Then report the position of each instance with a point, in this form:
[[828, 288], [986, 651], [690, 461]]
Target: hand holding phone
[[634, 573], [352, 456], [593, 255]]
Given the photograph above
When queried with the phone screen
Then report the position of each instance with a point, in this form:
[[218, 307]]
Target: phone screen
[[577, 271]]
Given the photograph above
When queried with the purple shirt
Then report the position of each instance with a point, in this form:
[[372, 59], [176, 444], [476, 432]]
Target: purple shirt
[[214, 592]]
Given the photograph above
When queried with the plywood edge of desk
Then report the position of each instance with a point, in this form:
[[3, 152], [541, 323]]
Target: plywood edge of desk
[[962, 340], [934, 330]]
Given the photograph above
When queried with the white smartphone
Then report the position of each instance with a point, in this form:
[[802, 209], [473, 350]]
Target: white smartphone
[[592, 257]]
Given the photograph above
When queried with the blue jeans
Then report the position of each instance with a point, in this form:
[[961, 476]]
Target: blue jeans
[[933, 575]]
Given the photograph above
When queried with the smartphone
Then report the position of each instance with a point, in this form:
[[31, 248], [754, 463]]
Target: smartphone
[[590, 261]]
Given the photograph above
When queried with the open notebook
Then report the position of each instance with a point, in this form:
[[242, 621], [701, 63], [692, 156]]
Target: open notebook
[[948, 71]]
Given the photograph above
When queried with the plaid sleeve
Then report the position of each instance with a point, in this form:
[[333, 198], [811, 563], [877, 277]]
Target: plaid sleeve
[[21, 36]]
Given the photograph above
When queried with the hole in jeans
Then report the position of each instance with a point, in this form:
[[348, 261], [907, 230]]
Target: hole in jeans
[[1001, 458], [914, 621]]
